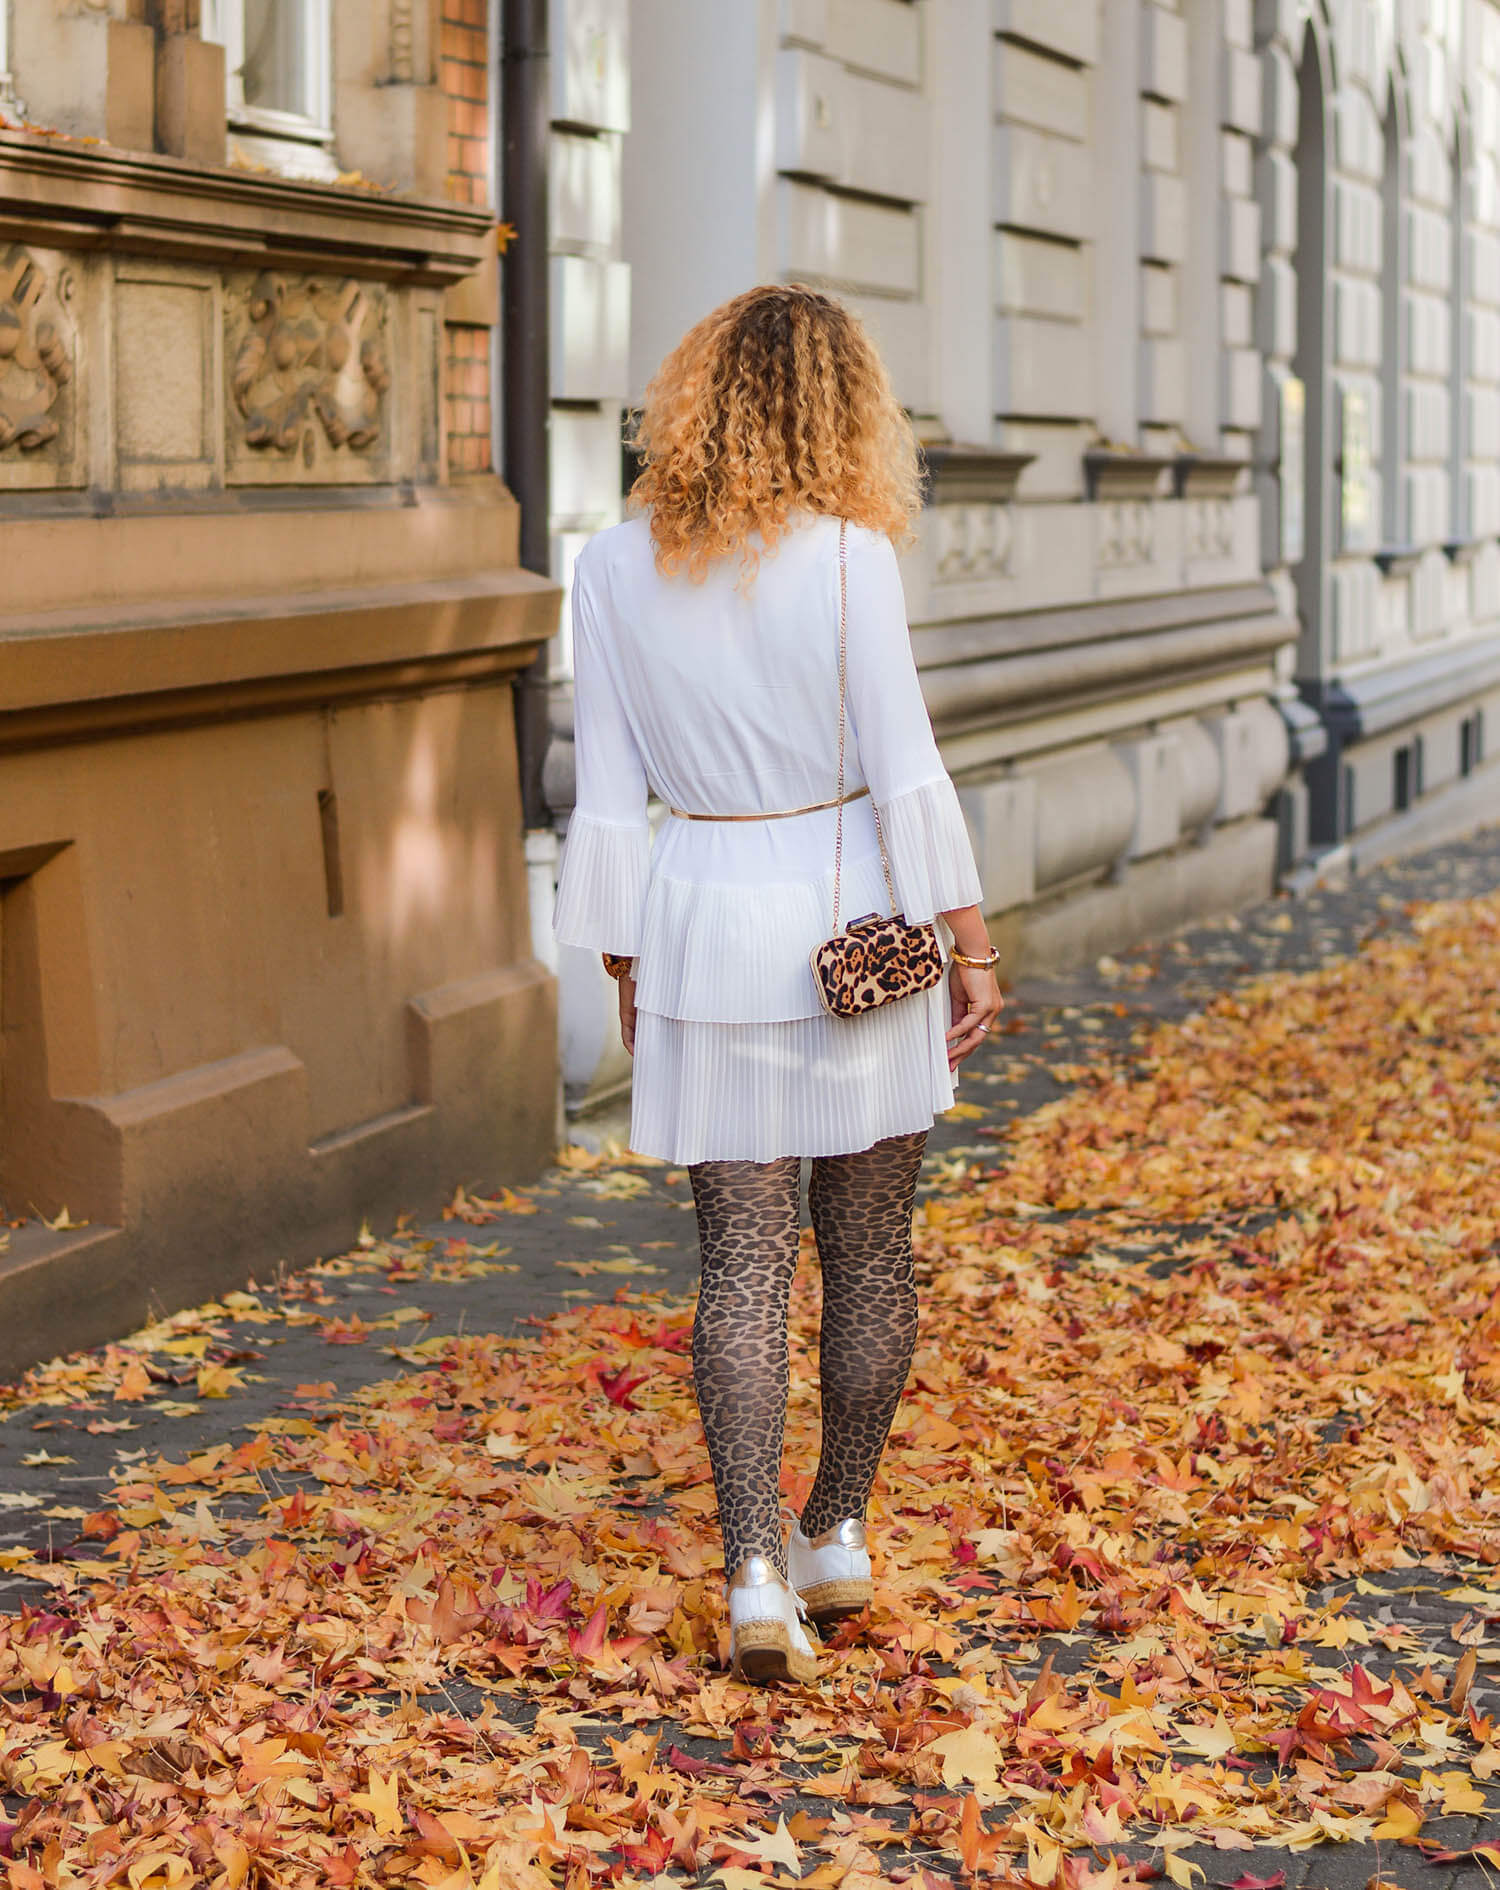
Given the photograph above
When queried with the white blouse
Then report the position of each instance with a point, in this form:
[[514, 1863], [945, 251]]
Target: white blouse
[[722, 697]]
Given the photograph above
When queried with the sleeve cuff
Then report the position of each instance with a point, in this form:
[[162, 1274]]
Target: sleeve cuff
[[932, 861], [601, 894]]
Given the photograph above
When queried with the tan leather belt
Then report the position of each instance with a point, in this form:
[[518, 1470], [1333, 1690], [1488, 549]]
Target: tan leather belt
[[781, 813]]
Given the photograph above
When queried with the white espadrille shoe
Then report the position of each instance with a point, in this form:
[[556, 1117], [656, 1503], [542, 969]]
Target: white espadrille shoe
[[831, 1572], [766, 1641]]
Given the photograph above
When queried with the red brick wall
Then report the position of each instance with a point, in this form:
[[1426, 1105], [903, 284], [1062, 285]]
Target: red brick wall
[[466, 80], [468, 400]]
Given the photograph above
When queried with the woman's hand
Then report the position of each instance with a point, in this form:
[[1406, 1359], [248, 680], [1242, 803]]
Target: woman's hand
[[976, 1004], [627, 1012]]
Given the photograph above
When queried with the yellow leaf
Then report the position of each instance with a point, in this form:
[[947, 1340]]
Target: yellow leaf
[[779, 1848], [217, 1381], [1214, 1741], [970, 1757], [1179, 1869], [1402, 1822], [382, 1801], [134, 1383], [235, 1858], [1043, 1858], [162, 1870]]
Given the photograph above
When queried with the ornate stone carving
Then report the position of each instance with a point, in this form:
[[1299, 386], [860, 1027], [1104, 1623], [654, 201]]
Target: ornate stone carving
[[973, 542], [36, 351], [403, 48], [310, 355], [1210, 528], [1126, 531]]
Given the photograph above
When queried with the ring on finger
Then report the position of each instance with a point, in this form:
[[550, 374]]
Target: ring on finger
[[983, 1029]]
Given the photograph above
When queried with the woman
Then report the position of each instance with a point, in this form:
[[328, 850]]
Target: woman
[[777, 470]]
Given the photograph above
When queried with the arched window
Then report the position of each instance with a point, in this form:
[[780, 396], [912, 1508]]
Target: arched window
[[1394, 516]]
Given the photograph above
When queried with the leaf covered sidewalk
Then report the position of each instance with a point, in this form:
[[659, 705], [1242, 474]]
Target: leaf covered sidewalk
[[1189, 1532]]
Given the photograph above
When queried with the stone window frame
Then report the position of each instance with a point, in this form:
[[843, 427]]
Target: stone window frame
[[291, 141], [8, 99]]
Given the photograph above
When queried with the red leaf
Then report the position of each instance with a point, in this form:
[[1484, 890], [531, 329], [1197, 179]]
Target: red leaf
[[681, 1761], [1247, 1882], [447, 1617], [653, 1855], [436, 1839], [551, 1605], [618, 1386], [587, 1642]]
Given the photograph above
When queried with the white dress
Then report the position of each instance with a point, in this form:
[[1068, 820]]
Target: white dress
[[722, 699]]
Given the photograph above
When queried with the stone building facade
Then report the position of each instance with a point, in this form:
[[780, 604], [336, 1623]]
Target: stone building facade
[[1194, 303], [265, 952]]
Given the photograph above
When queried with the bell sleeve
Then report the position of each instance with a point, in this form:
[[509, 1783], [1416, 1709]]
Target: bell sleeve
[[932, 859], [606, 863]]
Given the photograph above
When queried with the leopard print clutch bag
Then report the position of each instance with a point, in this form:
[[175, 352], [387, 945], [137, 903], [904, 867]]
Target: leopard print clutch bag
[[877, 959], [874, 961]]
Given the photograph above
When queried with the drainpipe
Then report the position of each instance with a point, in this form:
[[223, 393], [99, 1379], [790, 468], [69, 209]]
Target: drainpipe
[[526, 113]]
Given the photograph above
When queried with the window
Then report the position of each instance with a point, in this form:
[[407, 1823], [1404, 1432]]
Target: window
[[277, 55], [1407, 783], [1471, 742]]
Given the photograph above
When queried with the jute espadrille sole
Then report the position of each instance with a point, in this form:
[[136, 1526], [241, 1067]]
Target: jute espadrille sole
[[834, 1601], [763, 1651]]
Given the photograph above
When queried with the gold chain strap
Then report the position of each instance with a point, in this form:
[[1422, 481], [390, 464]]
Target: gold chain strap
[[838, 841]]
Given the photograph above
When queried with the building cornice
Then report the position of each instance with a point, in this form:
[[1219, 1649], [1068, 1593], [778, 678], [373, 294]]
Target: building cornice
[[970, 475], [62, 194], [225, 660], [991, 671]]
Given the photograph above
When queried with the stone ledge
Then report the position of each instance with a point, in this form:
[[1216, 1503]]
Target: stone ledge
[[134, 561], [1001, 670], [279, 654], [1012, 632], [972, 475], [1381, 699], [63, 194], [1112, 473]]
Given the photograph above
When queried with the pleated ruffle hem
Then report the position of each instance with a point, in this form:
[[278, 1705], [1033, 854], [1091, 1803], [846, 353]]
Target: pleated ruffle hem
[[805, 1086]]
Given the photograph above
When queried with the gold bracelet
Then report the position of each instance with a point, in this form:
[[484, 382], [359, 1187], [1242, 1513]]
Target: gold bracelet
[[975, 964]]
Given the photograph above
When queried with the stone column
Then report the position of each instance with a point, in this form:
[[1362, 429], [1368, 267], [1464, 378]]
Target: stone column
[[390, 111], [190, 96], [963, 60], [1045, 61], [1130, 212], [590, 299]]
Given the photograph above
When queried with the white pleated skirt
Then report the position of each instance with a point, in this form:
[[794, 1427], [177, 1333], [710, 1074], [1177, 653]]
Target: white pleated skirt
[[809, 1086]]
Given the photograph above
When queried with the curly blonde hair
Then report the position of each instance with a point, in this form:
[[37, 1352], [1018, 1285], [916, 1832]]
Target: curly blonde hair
[[775, 403]]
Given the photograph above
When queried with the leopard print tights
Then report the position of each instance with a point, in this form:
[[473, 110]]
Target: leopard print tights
[[748, 1216]]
